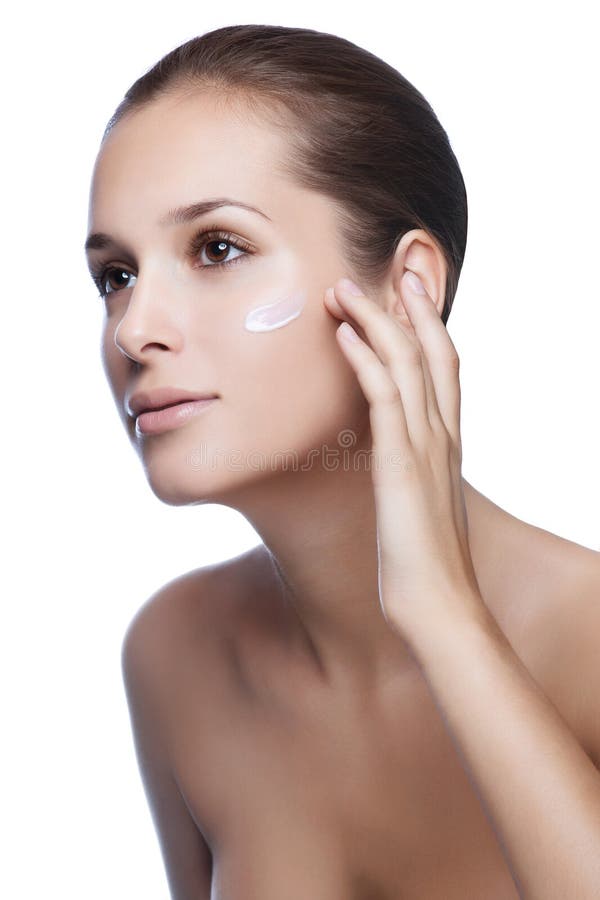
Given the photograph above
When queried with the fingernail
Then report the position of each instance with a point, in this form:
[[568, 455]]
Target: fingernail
[[348, 332], [415, 283], [350, 286]]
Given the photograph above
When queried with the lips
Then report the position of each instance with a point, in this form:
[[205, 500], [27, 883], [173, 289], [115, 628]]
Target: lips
[[161, 397]]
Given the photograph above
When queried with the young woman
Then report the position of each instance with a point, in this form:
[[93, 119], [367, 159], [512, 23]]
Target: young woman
[[392, 695]]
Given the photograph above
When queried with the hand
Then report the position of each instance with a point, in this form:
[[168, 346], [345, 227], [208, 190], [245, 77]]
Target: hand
[[408, 371]]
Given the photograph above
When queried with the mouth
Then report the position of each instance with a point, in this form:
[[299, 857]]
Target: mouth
[[165, 407], [161, 398], [173, 415]]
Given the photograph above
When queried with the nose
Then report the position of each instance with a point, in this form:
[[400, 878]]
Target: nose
[[148, 324]]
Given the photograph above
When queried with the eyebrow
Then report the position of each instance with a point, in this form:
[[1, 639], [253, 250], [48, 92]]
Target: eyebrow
[[180, 215]]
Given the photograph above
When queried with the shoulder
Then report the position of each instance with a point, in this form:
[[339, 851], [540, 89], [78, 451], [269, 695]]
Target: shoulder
[[201, 597], [180, 677], [163, 666], [191, 621], [570, 644]]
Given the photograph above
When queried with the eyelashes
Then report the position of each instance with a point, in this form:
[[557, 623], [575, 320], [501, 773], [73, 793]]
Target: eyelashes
[[206, 236], [215, 235]]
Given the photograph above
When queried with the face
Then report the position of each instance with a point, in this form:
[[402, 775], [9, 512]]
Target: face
[[238, 314]]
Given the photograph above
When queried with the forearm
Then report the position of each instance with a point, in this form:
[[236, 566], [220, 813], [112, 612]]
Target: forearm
[[537, 785]]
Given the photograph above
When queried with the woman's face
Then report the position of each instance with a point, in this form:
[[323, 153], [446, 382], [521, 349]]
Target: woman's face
[[177, 317]]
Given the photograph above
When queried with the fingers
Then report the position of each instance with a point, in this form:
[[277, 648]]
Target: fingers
[[386, 412], [443, 361], [398, 353], [422, 361]]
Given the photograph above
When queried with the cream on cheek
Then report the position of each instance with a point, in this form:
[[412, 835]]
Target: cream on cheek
[[278, 313]]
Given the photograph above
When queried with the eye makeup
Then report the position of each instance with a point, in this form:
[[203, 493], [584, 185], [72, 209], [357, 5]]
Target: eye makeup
[[275, 315]]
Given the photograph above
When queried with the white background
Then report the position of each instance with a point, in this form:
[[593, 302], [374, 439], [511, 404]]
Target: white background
[[516, 87]]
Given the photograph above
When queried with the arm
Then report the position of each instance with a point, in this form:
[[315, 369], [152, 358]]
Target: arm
[[539, 788], [185, 853]]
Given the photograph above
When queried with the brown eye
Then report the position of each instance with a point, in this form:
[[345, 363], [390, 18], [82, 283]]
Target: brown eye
[[213, 247], [220, 248], [115, 278], [109, 280]]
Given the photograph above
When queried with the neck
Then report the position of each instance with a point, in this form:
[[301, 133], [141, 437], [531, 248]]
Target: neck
[[320, 558]]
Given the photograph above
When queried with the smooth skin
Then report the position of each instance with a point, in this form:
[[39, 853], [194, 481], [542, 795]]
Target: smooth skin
[[289, 738]]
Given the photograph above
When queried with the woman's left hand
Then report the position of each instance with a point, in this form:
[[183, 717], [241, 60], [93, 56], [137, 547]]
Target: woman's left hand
[[408, 371]]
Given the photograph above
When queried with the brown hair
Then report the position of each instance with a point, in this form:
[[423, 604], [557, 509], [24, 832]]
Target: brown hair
[[358, 131]]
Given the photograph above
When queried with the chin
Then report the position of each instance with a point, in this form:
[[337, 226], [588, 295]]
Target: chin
[[178, 492], [177, 483]]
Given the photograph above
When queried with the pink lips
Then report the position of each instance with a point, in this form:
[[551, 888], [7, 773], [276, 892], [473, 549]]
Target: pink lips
[[165, 407], [157, 420]]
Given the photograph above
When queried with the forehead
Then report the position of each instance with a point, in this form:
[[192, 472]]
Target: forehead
[[179, 148]]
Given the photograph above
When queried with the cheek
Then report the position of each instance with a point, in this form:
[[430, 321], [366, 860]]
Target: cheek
[[113, 362], [117, 370], [276, 313], [292, 388]]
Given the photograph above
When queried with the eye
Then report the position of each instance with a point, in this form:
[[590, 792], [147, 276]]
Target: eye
[[101, 277], [220, 243]]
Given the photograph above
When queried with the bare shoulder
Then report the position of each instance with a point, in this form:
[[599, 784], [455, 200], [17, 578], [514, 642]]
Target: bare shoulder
[[577, 640], [567, 631], [176, 661], [183, 641], [191, 607], [165, 663]]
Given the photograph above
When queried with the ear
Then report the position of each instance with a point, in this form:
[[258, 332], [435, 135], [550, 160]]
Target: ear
[[419, 253]]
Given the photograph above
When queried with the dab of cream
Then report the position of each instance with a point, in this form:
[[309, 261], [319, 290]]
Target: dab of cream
[[277, 314]]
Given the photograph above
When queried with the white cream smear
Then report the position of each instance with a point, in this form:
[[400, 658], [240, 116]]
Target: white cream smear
[[277, 314]]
